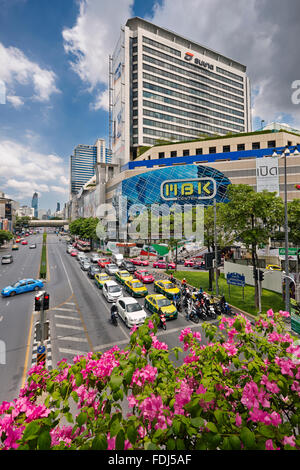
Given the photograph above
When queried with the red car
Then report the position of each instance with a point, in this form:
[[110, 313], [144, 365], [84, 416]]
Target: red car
[[163, 265], [144, 276], [74, 253], [102, 262], [24, 242], [136, 261], [189, 262]]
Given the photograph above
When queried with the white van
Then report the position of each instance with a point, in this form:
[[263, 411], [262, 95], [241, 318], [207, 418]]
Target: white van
[[117, 258]]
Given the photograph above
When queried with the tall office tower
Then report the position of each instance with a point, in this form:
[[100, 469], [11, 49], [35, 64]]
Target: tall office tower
[[164, 87], [58, 207], [35, 204], [82, 163]]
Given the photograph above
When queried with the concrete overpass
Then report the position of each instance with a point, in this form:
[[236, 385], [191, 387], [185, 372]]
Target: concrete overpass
[[48, 223]]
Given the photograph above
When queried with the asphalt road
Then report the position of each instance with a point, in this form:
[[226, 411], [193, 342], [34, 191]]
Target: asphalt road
[[16, 316], [80, 316]]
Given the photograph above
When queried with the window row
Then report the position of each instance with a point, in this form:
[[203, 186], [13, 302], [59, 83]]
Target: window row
[[188, 122], [209, 104], [182, 112], [191, 66], [163, 135], [197, 84], [205, 103], [230, 74], [161, 46], [198, 76], [186, 131]]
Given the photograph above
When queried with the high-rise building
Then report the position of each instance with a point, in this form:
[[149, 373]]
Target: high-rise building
[[35, 204], [58, 207], [82, 163], [164, 87]]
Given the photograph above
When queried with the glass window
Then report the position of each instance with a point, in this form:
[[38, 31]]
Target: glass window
[[212, 149], [199, 151], [271, 143], [240, 147], [161, 155], [255, 145], [174, 153], [185, 153], [226, 148]]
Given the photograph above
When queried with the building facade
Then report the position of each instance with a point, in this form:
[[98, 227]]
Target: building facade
[[8, 208], [83, 161], [35, 203], [165, 87]]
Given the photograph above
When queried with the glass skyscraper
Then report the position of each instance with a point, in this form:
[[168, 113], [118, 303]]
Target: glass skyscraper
[[83, 161], [34, 203]]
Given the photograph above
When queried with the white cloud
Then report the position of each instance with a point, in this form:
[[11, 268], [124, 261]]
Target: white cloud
[[16, 101], [92, 39], [17, 69], [25, 170], [260, 34]]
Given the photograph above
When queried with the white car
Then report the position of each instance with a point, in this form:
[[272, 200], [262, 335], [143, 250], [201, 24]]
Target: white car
[[111, 291], [81, 256], [131, 311], [94, 258], [111, 269]]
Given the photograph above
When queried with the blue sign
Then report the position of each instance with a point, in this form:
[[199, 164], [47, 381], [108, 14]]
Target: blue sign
[[41, 349], [236, 279]]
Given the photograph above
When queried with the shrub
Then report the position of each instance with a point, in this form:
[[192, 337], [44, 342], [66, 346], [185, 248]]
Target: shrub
[[239, 391]]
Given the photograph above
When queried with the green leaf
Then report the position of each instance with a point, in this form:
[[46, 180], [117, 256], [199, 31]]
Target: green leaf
[[81, 419], [197, 422], [78, 379], [31, 431], [212, 427], [248, 438], [44, 440], [115, 382], [267, 431], [132, 433], [120, 440], [114, 428], [235, 442], [100, 442]]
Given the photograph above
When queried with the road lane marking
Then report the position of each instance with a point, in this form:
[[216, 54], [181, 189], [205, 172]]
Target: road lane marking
[[65, 317], [73, 352], [72, 338], [72, 327], [68, 279], [64, 309], [109, 345]]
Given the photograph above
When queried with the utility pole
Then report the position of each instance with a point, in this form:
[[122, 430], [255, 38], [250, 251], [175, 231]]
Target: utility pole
[[216, 246]]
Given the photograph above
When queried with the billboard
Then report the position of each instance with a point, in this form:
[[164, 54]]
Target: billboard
[[267, 174]]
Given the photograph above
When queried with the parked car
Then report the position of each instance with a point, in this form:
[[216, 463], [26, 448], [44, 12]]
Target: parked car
[[273, 267], [94, 258], [85, 265], [74, 253], [158, 302], [163, 265], [24, 285], [93, 270], [131, 311], [189, 262], [111, 291], [24, 242], [102, 262], [128, 265], [7, 259], [100, 279], [144, 276], [32, 246], [111, 269], [199, 265]]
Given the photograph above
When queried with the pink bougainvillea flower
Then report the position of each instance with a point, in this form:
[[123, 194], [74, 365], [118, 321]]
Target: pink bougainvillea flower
[[289, 440]]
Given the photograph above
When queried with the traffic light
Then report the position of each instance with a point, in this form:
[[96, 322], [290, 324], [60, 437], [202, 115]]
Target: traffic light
[[261, 275], [37, 303], [46, 301], [255, 274]]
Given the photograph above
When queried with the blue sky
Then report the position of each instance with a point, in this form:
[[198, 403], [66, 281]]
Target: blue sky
[[53, 63]]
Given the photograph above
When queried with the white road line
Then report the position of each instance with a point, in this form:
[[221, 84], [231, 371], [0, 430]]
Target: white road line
[[72, 338], [70, 285], [69, 303], [74, 352], [109, 345], [65, 317], [72, 327], [65, 309]]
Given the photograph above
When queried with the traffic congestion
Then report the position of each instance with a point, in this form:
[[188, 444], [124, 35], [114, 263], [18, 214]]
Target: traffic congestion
[[138, 287]]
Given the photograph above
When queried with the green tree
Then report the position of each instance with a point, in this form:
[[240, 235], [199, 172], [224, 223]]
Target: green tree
[[294, 221], [5, 235], [252, 217]]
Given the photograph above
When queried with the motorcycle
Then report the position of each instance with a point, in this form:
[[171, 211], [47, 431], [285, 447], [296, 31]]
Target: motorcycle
[[162, 322], [114, 315], [200, 312], [192, 313]]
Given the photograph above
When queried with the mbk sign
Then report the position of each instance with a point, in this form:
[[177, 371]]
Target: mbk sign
[[190, 57], [267, 175]]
